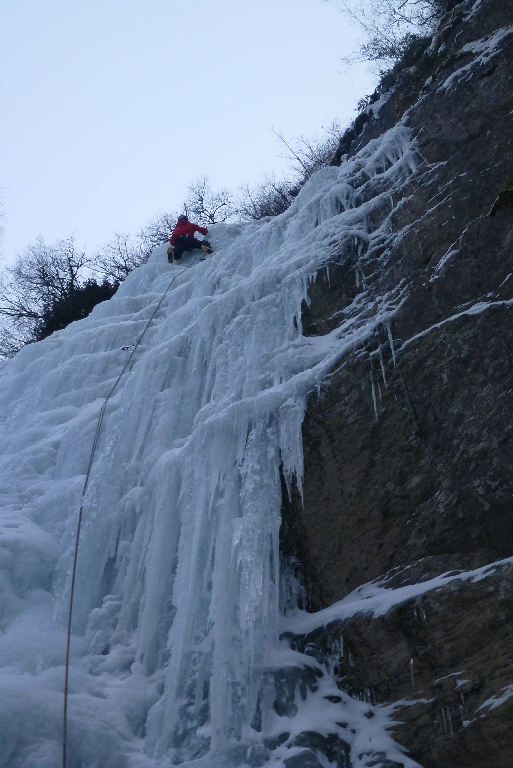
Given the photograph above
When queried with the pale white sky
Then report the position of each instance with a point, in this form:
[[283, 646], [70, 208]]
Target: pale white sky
[[110, 108]]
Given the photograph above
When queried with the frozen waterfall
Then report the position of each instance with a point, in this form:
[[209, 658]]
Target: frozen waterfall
[[176, 657]]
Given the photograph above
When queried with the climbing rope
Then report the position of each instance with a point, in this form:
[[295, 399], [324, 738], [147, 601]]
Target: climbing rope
[[80, 512]]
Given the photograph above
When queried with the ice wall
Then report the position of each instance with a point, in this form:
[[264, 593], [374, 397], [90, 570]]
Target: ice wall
[[175, 653]]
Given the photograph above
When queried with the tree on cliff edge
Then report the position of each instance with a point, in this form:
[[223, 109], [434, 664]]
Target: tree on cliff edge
[[47, 288], [389, 26]]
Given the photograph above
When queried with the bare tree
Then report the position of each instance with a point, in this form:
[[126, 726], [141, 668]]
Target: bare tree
[[41, 275], [47, 288], [388, 26], [120, 256], [270, 198], [13, 336], [156, 232], [207, 206], [125, 252], [307, 155]]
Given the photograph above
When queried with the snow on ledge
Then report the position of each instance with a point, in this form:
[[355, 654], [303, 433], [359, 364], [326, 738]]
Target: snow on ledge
[[475, 309], [495, 701], [374, 599], [486, 48]]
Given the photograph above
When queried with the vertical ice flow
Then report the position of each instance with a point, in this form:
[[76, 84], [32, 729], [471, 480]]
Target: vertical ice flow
[[177, 594]]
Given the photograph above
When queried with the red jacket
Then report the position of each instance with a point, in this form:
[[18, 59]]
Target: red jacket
[[187, 228]]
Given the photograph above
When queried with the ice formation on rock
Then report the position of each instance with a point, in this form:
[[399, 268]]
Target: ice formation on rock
[[176, 655]]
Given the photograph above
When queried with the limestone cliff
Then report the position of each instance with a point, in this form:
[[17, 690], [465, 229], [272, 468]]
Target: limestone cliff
[[408, 448]]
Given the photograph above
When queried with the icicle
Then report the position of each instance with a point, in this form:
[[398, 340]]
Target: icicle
[[391, 340], [374, 395], [382, 364], [449, 715]]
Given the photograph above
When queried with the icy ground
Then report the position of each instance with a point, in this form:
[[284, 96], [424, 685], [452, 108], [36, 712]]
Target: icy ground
[[176, 655]]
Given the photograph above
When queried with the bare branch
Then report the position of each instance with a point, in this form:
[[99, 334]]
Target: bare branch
[[270, 198], [41, 277], [207, 206], [120, 256], [310, 154], [388, 25]]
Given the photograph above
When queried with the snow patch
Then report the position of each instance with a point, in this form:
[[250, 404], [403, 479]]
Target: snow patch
[[486, 48], [374, 599], [497, 701]]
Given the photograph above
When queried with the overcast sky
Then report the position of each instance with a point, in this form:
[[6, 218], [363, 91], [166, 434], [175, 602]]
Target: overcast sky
[[110, 108]]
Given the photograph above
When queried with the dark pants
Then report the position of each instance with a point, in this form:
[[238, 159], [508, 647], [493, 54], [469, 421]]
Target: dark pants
[[185, 243]]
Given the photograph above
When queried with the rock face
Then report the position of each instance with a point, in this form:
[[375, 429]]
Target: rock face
[[444, 661], [408, 448]]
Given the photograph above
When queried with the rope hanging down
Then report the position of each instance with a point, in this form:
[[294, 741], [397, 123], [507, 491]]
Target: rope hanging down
[[79, 521]]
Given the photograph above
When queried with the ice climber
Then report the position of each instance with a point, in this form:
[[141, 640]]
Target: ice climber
[[182, 239]]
